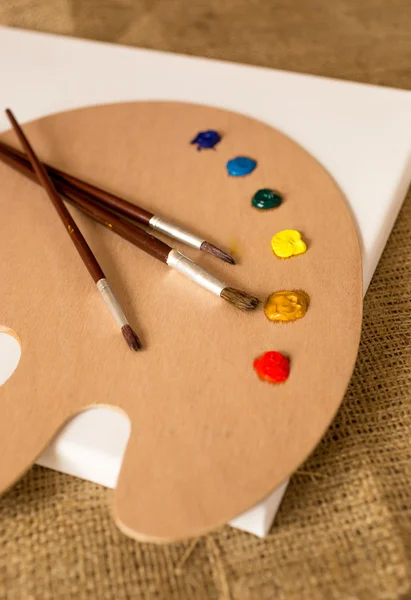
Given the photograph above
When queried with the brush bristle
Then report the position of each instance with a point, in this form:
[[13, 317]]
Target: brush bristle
[[214, 251], [131, 338], [240, 299]]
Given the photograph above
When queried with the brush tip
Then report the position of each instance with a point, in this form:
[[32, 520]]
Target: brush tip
[[239, 299], [217, 252], [131, 338]]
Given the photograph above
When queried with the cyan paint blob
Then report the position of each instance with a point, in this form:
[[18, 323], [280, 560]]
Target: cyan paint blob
[[240, 166], [206, 139]]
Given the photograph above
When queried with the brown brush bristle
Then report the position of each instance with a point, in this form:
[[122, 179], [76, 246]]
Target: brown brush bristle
[[131, 338], [240, 299], [214, 251]]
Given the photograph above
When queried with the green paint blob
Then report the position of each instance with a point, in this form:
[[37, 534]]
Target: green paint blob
[[265, 199]]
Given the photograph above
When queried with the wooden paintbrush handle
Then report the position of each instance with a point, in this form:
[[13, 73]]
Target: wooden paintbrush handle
[[104, 197], [137, 236], [74, 232]]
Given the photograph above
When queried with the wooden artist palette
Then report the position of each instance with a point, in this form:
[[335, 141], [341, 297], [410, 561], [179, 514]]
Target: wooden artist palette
[[202, 423]]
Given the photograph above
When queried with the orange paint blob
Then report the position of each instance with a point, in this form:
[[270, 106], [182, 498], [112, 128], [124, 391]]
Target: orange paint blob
[[286, 306]]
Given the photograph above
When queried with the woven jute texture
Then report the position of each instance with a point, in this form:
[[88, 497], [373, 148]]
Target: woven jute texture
[[343, 531]]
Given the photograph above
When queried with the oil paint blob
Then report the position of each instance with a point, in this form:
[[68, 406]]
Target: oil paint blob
[[241, 166], [265, 199], [286, 306], [206, 139], [272, 367], [288, 243]]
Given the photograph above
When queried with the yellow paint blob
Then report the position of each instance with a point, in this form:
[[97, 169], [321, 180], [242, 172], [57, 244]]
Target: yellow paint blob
[[70, 229], [286, 305], [288, 243]]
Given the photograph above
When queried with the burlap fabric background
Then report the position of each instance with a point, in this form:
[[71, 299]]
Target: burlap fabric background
[[344, 528]]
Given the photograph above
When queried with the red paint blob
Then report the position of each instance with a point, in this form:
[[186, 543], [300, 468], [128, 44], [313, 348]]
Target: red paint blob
[[272, 367]]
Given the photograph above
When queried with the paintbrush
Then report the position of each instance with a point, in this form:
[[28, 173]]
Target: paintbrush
[[143, 240], [77, 238], [129, 210]]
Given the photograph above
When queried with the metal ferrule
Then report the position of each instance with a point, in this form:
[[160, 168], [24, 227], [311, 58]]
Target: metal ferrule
[[112, 302], [164, 226], [190, 269]]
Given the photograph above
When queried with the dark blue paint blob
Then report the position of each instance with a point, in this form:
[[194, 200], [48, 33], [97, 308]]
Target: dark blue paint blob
[[206, 139], [240, 166]]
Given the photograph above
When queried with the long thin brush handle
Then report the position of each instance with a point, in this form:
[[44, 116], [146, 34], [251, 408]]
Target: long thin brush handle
[[110, 200], [74, 232], [148, 243], [137, 236], [133, 213], [80, 243], [61, 183]]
